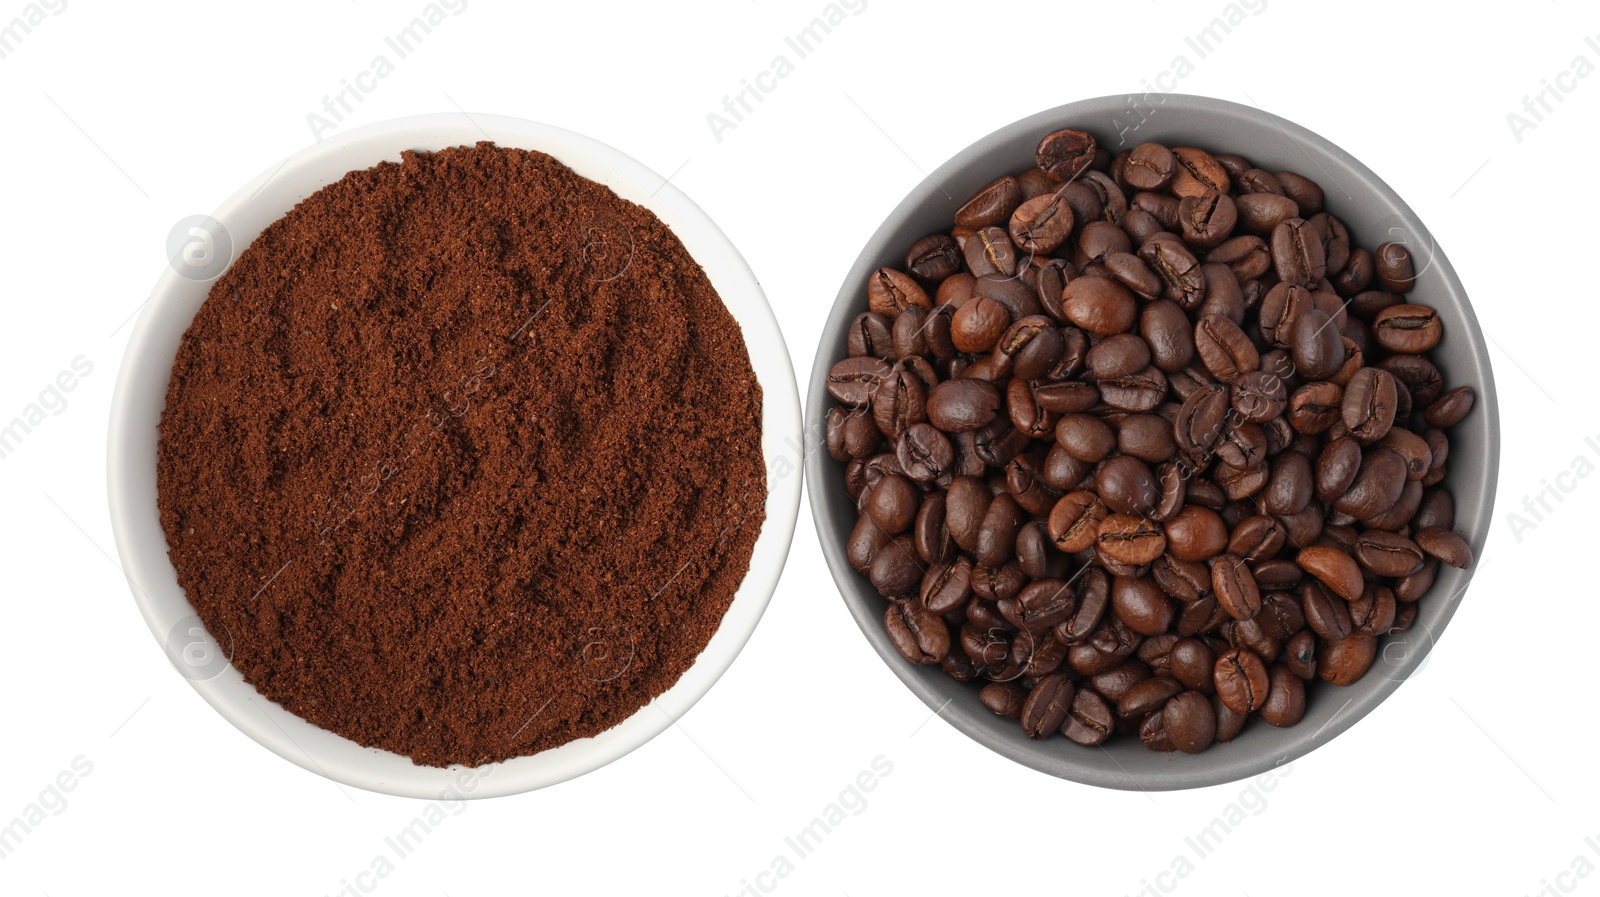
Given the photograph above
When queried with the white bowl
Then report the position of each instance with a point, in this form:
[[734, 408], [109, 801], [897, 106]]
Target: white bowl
[[140, 396]]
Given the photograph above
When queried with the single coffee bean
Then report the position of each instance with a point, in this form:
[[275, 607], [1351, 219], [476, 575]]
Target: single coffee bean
[[1041, 224], [925, 453], [1004, 698], [1075, 521], [959, 405], [1235, 587], [1297, 253], [1196, 534], [1304, 191], [1224, 349], [1099, 305], [893, 503], [991, 205], [933, 258], [890, 292], [1208, 219], [1369, 405], [1373, 612], [1141, 605], [1317, 345], [1168, 334], [1241, 680], [947, 587], [1388, 554], [1183, 277], [1343, 661], [1046, 706], [919, 634], [1393, 267], [1407, 329], [1197, 174], [1150, 166], [871, 336], [1127, 539], [1229, 723], [1446, 546], [1334, 568], [1286, 698], [1065, 154], [1090, 720], [1201, 419], [1189, 721], [901, 400], [1191, 662], [1450, 408], [896, 569], [854, 381], [1315, 407], [1377, 486], [1147, 437], [1126, 485], [1259, 396]]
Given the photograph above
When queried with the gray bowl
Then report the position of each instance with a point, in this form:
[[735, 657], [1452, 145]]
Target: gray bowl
[[1373, 213]]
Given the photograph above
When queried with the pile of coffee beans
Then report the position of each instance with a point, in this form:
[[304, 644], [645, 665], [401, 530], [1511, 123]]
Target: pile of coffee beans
[[1146, 443]]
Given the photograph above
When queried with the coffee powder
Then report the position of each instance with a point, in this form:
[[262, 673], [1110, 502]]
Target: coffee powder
[[461, 458]]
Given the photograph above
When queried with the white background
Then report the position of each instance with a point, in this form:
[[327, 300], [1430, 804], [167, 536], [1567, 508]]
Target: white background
[[123, 118]]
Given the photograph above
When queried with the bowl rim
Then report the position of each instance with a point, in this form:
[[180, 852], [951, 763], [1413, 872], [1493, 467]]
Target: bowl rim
[[146, 366], [934, 688]]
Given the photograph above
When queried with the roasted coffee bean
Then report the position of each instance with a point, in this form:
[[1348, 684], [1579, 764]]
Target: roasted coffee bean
[[1235, 587], [1150, 166], [1208, 219], [1085, 437], [1241, 680], [991, 205], [900, 401], [1075, 521], [959, 405], [1090, 720], [1224, 349], [1198, 173], [1099, 305], [1393, 267], [1153, 733], [1065, 153], [1229, 723], [1407, 329], [919, 634], [1128, 539], [1196, 534], [1304, 191], [1290, 486], [1414, 586], [1317, 346], [854, 381], [1126, 485], [1255, 538], [1046, 706], [1191, 662], [1315, 407], [1373, 612], [1036, 553], [1141, 605], [1041, 224], [1437, 510], [1148, 695], [1450, 408], [1189, 721], [946, 587], [1276, 573], [1004, 698], [1147, 437], [1201, 419], [1183, 277], [1286, 698], [1140, 391], [1334, 568], [1368, 409], [997, 535], [889, 292], [925, 453], [1247, 256], [1297, 253], [1446, 546], [896, 569], [1345, 660], [1388, 554], [1300, 654], [933, 258], [1377, 485], [1168, 335], [989, 251], [1259, 396], [892, 504], [871, 336]]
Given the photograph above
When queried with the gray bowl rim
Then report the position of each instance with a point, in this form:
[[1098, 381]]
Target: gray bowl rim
[[1247, 756]]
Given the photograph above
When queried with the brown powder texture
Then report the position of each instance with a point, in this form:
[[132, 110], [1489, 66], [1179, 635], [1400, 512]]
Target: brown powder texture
[[461, 458]]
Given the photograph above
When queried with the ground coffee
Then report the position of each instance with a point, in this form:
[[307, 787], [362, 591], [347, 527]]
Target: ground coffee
[[462, 457]]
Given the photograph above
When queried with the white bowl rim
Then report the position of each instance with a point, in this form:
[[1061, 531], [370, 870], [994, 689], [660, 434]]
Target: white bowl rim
[[146, 369]]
